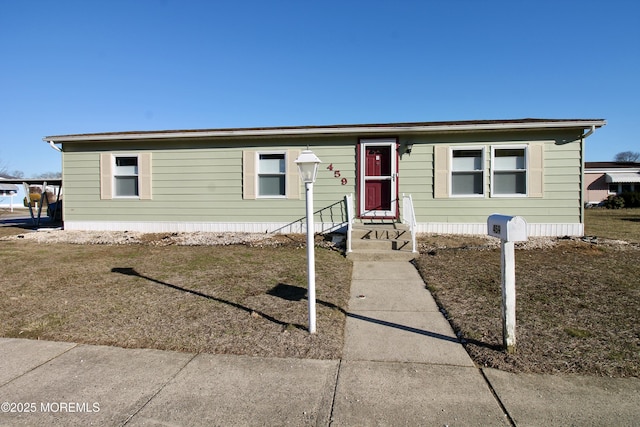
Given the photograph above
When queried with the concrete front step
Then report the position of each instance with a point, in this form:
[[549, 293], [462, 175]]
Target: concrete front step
[[381, 242], [374, 233], [375, 255], [381, 245]]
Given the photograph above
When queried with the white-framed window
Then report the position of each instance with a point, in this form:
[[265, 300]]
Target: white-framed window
[[272, 174], [467, 172], [516, 170], [509, 171], [125, 176]]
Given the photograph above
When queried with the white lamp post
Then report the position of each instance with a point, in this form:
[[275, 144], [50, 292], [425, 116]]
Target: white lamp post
[[308, 167]]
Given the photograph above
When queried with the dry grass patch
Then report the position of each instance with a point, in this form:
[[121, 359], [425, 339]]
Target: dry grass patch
[[578, 306], [220, 299]]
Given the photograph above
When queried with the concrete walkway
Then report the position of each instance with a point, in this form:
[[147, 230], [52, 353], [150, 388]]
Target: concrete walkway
[[402, 365]]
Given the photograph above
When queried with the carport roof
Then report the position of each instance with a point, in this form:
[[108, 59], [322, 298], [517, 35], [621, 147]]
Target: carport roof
[[8, 187]]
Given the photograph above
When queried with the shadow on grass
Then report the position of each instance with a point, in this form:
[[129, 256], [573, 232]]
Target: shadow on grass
[[288, 292], [632, 219], [296, 293], [494, 347], [127, 271]]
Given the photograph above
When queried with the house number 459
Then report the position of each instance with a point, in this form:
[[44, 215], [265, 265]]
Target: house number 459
[[336, 174]]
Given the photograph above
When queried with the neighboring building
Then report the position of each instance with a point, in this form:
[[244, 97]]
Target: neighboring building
[[458, 173], [602, 179], [8, 194]]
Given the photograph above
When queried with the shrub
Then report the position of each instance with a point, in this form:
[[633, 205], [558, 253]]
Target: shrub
[[614, 202], [631, 199]]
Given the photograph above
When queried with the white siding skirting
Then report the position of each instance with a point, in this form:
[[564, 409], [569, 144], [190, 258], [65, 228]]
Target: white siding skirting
[[533, 230]]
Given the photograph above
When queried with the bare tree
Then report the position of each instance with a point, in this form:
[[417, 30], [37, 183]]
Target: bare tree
[[627, 156], [6, 173], [50, 175]]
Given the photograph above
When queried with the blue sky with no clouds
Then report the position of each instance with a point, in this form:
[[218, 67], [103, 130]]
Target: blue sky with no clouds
[[117, 65]]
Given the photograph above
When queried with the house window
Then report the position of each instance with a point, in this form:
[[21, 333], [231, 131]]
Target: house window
[[509, 172], [125, 176], [272, 175], [619, 188], [467, 172]]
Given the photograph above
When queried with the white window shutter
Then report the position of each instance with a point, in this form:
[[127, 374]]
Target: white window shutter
[[441, 172], [293, 177], [536, 170], [248, 174], [144, 176], [106, 176]]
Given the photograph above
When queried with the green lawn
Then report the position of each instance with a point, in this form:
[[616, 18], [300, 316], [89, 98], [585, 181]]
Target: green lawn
[[618, 224]]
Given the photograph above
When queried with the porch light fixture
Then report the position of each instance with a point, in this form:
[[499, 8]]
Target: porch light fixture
[[308, 167], [408, 147]]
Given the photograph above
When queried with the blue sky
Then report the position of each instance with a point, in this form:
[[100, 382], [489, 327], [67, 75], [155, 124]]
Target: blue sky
[[116, 65]]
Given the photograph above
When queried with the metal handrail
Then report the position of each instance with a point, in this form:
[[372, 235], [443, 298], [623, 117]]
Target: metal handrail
[[348, 201], [409, 217]]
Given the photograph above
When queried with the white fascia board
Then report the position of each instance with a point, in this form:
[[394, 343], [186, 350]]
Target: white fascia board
[[318, 131], [612, 170]]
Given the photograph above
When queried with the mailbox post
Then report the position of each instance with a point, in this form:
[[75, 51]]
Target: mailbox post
[[509, 229]]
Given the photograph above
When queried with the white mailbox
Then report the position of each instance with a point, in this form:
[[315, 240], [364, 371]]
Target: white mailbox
[[507, 228]]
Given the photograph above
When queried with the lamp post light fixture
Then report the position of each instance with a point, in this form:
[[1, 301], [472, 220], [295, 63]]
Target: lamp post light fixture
[[308, 167]]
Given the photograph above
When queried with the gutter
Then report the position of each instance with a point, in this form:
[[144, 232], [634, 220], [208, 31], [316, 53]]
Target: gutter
[[397, 129], [54, 146], [592, 130]]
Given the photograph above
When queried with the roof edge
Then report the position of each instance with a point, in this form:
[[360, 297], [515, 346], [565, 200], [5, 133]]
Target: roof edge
[[397, 128]]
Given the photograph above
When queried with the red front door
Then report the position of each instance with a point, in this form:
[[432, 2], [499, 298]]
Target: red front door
[[377, 191], [377, 178]]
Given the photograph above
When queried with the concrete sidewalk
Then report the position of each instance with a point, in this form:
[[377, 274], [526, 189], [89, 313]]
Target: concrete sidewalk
[[402, 361], [402, 365]]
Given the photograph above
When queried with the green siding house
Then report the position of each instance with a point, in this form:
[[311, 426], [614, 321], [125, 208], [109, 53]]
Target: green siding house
[[245, 180]]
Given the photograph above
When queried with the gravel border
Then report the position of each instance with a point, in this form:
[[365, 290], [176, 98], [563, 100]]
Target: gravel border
[[153, 239], [47, 236]]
